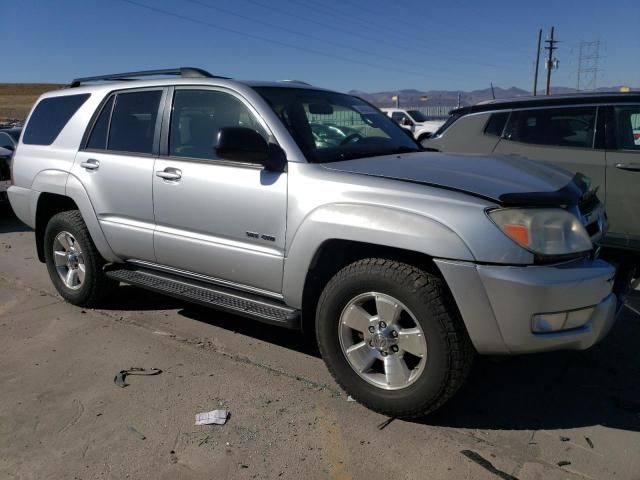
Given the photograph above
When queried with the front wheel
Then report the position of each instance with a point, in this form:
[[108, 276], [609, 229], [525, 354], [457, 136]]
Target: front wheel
[[391, 336], [73, 262]]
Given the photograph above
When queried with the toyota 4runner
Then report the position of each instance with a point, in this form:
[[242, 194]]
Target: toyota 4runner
[[401, 263]]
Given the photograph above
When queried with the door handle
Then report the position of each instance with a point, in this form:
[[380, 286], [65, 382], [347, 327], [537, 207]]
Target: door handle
[[631, 167], [172, 174], [90, 164]]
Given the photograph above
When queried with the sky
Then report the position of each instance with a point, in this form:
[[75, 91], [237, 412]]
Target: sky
[[367, 45]]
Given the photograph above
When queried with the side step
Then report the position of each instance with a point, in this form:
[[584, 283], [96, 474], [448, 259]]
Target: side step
[[233, 301]]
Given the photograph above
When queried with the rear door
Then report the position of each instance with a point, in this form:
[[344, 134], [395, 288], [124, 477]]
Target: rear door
[[116, 167], [562, 136], [623, 174], [218, 218]]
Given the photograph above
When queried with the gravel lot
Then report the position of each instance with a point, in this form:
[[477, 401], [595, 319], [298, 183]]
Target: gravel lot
[[61, 416]]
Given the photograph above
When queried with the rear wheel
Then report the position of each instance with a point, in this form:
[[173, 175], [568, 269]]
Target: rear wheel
[[73, 262], [392, 338]]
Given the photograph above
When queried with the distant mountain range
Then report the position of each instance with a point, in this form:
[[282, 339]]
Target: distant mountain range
[[412, 98]]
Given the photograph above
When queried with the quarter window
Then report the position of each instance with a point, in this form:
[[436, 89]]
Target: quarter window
[[563, 127], [496, 123], [50, 117], [627, 120], [98, 138], [133, 122], [198, 116]]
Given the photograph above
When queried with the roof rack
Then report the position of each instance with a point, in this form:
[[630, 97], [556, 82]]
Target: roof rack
[[185, 72], [301, 82]]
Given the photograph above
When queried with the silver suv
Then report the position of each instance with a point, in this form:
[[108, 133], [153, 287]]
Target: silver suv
[[402, 264]]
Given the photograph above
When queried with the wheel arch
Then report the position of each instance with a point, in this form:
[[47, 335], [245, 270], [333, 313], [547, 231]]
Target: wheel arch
[[351, 232], [52, 201]]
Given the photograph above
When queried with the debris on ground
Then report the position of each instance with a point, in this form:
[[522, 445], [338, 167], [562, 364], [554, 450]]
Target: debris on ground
[[350, 399], [122, 374], [564, 439], [140, 435], [214, 417], [589, 441], [486, 464], [563, 463], [386, 423]]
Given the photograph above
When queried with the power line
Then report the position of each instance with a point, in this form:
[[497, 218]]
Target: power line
[[389, 32], [302, 34], [488, 44], [266, 39]]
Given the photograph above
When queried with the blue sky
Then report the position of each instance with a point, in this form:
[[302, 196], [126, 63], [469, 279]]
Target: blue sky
[[369, 45]]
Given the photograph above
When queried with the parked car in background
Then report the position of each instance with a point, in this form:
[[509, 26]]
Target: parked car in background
[[5, 174], [9, 137], [595, 134], [415, 121], [401, 264]]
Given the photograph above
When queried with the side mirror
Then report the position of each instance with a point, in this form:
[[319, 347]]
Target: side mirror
[[242, 144], [405, 122]]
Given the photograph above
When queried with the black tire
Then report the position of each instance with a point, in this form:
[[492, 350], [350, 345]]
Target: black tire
[[96, 285], [450, 353]]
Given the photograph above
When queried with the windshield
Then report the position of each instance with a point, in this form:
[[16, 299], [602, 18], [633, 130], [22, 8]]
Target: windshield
[[330, 127], [417, 116]]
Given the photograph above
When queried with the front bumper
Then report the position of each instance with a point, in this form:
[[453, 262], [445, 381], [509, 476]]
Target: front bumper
[[497, 303]]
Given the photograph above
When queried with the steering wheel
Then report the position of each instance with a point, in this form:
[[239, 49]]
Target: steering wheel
[[354, 137]]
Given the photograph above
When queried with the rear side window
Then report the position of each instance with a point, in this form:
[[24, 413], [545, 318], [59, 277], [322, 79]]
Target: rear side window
[[50, 117], [496, 124], [98, 138], [562, 127], [133, 122]]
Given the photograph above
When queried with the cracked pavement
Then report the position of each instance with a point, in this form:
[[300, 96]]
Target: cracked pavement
[[566, 415]]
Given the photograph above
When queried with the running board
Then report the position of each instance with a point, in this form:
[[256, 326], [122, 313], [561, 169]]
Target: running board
[[221, 298]]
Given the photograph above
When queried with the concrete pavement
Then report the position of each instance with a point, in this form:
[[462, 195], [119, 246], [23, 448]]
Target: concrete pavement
[[61, 415]]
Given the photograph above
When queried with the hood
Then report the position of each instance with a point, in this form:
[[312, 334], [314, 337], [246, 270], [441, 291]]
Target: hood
[[505, 179]]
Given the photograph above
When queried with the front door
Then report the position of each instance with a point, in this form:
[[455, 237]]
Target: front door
[[623, 174], [221, 219], [115, 167]]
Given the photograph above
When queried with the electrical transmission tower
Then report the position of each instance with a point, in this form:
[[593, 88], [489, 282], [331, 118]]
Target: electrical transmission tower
[[588, 65]]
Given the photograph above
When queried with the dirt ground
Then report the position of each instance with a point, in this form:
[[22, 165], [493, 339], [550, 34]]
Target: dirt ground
[[16, 99], [570, 415]]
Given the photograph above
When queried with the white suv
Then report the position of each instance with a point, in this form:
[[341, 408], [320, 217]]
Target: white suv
[[415, 121]]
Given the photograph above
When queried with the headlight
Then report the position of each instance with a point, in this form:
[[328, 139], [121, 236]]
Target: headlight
[[545, 231]]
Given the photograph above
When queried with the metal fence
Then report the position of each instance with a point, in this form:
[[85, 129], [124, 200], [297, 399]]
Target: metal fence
[[349, 118], [435, 112]]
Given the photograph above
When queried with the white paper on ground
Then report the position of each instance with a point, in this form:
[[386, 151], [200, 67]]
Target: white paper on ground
[[217, 417]]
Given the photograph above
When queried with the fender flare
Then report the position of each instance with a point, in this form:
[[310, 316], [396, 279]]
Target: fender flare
[[380, 226], [76, 192]]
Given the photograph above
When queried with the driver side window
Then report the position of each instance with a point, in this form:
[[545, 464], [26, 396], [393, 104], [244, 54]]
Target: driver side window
[[198, 115]]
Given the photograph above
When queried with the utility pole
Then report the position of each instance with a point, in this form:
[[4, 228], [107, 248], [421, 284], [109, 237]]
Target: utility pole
[[588, 65], [535, 75], [551, 62]]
